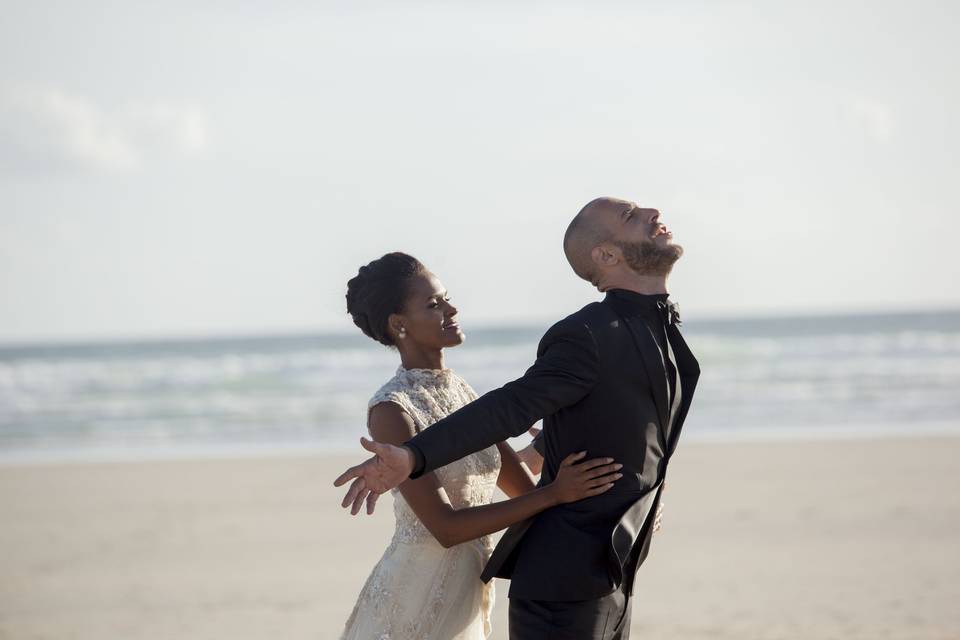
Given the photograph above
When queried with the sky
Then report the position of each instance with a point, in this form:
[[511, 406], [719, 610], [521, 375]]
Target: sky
[[204, 168]]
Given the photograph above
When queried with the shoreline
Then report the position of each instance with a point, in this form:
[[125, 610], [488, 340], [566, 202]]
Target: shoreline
[[311, 449]]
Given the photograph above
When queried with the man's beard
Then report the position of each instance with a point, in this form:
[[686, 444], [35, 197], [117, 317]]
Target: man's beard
[[650, 259]]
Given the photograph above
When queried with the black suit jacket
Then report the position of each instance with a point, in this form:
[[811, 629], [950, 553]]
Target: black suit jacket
[[599, 384]]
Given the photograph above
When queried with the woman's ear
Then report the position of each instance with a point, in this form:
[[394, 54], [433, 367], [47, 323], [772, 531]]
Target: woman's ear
[[395, 325]]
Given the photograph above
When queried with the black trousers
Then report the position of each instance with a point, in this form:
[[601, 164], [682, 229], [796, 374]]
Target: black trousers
[[606, 618]]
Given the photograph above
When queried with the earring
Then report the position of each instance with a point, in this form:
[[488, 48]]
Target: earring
[[403, 333]]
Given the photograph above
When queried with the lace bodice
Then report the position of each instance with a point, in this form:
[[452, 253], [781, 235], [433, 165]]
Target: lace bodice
[[427, 395], [420, 590]]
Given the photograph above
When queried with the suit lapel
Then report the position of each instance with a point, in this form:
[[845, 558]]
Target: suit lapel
[[688, 376], [653, 362], [678, 393]]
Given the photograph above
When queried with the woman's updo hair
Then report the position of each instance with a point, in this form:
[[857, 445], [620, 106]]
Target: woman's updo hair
[[379, 289]]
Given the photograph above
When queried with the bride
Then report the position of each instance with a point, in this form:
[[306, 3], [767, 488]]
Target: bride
[[427, 584]]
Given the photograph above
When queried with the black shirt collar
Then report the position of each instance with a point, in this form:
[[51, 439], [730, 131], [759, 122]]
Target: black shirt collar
[[632, 303]]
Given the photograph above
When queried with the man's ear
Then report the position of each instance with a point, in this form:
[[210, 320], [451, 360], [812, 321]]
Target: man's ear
[[604, 256]]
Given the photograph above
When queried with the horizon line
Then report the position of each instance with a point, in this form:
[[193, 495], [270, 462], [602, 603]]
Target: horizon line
[[483, 325]]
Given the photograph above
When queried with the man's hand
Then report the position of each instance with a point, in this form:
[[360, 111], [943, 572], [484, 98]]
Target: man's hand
[[388, 468]]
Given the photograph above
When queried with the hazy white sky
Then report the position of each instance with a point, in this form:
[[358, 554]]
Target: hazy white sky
[[190, 168]]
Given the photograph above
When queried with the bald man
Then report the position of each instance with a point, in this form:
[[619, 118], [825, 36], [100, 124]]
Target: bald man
[[613, 379]]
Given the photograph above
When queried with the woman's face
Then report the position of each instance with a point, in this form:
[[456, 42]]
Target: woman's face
[[428, 317]]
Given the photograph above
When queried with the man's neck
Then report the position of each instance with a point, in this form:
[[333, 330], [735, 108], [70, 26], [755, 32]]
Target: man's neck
[[637, 283]]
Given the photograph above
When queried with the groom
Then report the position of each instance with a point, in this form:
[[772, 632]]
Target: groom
[[614, 379]]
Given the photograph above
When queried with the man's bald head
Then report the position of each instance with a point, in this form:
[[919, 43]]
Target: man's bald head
[[590, 228], [612, 239]]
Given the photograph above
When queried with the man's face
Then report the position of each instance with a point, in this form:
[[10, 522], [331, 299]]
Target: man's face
[[644, 241]]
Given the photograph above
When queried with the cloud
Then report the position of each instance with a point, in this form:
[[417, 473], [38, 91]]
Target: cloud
[[51, 131], [875, 117]]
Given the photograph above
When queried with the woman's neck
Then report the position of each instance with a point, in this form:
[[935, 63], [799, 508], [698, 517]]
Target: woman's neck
[[412, 358]]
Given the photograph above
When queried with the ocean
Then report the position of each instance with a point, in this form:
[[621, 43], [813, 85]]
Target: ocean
[[762, 378]]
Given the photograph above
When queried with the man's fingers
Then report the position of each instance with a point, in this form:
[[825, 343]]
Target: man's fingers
[[573, 457], [356, 487], [347, 475], [372, 502], [358, 501], [378, 448], [370, 445], [533, 431]]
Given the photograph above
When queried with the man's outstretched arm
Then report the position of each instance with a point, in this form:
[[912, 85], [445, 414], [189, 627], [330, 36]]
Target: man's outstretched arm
[[566, 368], [564, 372]]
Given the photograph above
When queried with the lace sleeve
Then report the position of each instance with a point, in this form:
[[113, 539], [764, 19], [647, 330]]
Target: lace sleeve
[[399, 399]]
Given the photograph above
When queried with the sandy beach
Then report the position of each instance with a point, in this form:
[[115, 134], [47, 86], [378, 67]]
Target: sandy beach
[[792, 540]]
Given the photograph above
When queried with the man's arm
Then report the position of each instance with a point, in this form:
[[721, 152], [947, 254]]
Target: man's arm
[[566, 369]]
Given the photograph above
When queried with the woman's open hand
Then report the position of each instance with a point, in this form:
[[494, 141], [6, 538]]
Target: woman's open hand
[[576, 481]]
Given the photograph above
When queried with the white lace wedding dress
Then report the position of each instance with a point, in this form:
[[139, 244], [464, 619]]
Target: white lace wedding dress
[[419, 590]]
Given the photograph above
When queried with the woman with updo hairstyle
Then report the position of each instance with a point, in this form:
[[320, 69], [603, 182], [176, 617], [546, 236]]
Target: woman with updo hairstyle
[[427, 585], [380, 289]]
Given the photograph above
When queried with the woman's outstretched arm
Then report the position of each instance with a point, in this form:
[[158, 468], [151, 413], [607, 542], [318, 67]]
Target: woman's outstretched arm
[[450, 526]]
